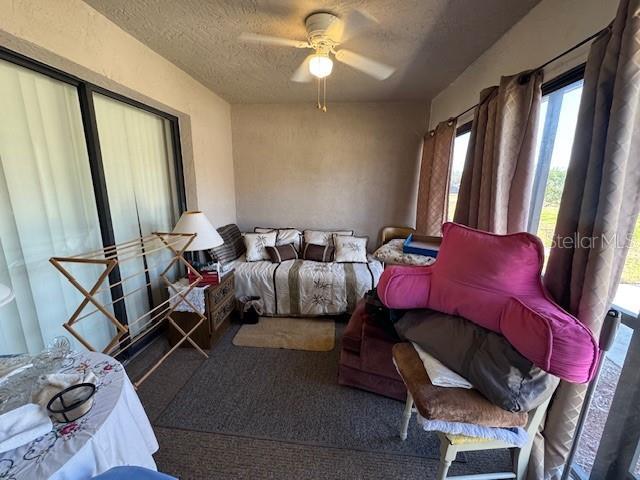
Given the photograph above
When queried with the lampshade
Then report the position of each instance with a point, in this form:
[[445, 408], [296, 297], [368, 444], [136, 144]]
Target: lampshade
[[197, 222], [320, 66], [6, 295]]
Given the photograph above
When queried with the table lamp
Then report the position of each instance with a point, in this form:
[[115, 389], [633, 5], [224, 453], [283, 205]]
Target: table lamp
[[6, 295], [206, 235]]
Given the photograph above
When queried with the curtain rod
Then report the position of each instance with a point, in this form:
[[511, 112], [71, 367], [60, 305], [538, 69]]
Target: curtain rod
[[566, 52]]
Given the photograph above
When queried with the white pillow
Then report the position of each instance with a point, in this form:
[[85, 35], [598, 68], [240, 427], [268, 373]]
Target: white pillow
[[255, 243], [319, 237], [285, 236], [350, 249], [440, 375], [289, 235]]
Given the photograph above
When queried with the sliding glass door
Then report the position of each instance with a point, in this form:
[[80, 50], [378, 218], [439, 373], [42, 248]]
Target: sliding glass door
[[47, 208], [81, 168], [137, 157]]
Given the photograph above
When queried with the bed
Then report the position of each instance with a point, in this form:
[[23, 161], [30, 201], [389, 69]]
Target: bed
[[306, 288]]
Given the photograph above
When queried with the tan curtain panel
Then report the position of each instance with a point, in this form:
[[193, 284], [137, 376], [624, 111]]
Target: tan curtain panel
[[496, 184], [435, 171], [598, 211]]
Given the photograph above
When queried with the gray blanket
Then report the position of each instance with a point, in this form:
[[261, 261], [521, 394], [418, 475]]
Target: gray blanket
[[483, 357]]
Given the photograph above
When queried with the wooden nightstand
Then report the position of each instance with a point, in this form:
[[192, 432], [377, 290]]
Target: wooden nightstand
[[220, 303]]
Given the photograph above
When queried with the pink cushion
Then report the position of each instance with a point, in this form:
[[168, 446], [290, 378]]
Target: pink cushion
[[495, 281]]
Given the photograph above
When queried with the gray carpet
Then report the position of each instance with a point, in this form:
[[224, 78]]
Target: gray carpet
[[203, 456], [290, 396], [263, 413]]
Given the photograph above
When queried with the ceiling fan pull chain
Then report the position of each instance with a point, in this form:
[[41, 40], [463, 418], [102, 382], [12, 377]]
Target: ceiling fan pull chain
[[324, 94], [318, 103]]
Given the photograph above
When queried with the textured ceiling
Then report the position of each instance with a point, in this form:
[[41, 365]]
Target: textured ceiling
[[430, 42]]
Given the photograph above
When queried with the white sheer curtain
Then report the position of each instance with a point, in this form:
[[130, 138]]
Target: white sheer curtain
[[47, 208], [138, 163]]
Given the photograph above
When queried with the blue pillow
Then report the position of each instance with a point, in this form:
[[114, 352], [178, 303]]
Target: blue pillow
[[132, 473]]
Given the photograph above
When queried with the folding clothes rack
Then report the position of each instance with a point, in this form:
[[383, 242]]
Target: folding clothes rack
[[113, 256]]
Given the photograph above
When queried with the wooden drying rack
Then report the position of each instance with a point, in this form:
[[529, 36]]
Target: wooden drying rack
[[110, 258]]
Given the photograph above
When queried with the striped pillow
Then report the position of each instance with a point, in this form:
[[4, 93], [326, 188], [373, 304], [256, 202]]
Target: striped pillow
[[318, 253], [223, 254], [233, 246], [282, 253]]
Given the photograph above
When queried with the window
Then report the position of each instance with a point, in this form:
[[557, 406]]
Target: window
[[558, 117], [137, 156], [460, 146], [47, 207], [628, 294], [80, 168]]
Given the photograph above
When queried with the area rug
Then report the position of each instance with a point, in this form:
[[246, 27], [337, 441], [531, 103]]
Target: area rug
[[310, 334], [290, 396]]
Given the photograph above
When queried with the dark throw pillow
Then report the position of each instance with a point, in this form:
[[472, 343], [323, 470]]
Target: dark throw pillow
[[232, 236], [282, 253], [233, 246], [318, 253], [223, 253]]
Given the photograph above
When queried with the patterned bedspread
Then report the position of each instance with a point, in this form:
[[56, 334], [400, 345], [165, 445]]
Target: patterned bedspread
[[306, 288]]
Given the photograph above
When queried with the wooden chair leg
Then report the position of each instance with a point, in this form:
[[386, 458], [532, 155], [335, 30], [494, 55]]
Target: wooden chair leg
[[406, 416], [448, 454]]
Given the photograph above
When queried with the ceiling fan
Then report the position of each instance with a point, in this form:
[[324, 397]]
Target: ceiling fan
[[325, 32]]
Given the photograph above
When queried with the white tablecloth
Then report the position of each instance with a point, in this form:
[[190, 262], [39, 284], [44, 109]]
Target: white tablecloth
[[115, 432]]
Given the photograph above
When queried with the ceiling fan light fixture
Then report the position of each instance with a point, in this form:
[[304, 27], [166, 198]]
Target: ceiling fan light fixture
[[320, 66]]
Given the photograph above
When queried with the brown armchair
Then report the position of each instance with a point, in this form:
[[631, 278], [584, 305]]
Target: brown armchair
[[389, 233]]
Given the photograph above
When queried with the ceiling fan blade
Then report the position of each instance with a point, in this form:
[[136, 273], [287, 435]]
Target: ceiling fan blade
[[370, 67], [269, 40], [354, 23], [302, 74]]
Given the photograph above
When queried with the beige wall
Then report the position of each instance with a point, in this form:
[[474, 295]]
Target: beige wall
[[355, 166], [70, 35], [548, 29]]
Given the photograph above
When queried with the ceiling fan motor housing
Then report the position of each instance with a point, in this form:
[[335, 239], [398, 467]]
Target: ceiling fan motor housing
[[323, 31]]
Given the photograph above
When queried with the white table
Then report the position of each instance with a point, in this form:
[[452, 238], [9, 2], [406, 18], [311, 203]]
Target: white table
[[115, 432]]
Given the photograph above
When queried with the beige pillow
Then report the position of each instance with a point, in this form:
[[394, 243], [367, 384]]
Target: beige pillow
[[285, 236], [256, 243], [321, 237], [350, 249], [289, 235], [264, 230]]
